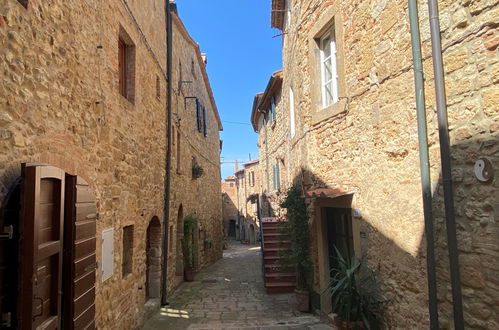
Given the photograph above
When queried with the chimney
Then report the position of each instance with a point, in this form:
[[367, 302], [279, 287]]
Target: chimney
[[205, 58], [237, 166]]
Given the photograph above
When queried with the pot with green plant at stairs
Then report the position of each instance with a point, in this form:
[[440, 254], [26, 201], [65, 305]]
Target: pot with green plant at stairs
[[197, 171], [355, 294], [296, 228], [189, 247]]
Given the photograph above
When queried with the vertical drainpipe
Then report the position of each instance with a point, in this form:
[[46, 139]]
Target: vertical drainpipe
[[443, 132], [167, 183], [424, 162]]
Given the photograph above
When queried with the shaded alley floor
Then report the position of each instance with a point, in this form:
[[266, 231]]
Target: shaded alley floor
[[230, 295]]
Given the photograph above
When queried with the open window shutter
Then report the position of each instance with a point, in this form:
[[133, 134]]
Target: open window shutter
[[278, 180], [198, 115], [205, 124], [274, 177], [41, 246], [79, 248]]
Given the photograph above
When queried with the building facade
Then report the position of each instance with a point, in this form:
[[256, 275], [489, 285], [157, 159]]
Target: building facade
[[229, 202], [348, 112], [83, 107]]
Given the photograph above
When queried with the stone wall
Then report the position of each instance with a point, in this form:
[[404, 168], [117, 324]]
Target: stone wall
[[368, 144], [201, 196], [60, 104]]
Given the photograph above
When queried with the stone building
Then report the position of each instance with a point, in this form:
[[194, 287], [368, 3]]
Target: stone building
[[248, 183], [348, 114], [83, 106], [229, 204]]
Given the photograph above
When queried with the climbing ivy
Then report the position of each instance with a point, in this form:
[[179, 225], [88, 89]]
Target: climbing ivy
[[297, 230]]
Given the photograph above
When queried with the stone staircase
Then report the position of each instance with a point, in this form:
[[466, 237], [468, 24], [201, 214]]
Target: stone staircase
[[276, 279]]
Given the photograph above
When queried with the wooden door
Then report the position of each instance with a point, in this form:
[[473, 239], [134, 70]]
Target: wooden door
[[79, 255], [41, 247]]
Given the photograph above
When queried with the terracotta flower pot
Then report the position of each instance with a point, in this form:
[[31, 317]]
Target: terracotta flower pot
[[189, 275], [343, 325], [302, 300]]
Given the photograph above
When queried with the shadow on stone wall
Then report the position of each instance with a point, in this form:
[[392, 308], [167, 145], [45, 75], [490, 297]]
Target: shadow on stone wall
[[402, 275]]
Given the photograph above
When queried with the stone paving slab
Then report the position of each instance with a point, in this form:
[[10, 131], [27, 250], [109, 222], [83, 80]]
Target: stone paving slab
[[230, 295]]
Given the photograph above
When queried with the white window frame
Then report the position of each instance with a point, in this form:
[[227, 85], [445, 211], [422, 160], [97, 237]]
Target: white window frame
[[292, 128], [334, 70]]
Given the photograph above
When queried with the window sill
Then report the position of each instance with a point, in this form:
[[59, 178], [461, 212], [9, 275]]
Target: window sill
[[325, 113], [126, 100]]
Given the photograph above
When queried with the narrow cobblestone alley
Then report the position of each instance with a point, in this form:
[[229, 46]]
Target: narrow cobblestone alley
[[230, 295]]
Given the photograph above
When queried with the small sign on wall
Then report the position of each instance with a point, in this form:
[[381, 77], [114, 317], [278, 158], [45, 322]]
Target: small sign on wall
[[107, 253]]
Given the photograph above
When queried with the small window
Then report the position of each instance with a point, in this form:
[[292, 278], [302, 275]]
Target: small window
[[170, 240], [127, 265], [158, 87], [178, 151], [205, 123], [198, 116], [273, 115], [193, 69], [252, 178], [24, 3], [126, 66], [277, 177], [231, 184], [329, 75]]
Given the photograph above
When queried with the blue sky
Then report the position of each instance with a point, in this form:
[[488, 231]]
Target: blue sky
[[242, 54]]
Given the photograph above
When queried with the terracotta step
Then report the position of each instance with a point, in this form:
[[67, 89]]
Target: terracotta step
[[272, 224], [283, 287], [273, 244], [272, 252], [279, 277], [276, 268], [276, 230]]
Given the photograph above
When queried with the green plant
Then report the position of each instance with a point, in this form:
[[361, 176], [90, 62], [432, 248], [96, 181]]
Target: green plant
[[353, 289], [197, 171], [297, 230], [189, 248]]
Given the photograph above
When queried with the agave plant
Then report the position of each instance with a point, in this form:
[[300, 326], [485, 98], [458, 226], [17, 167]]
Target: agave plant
[[354, 291]]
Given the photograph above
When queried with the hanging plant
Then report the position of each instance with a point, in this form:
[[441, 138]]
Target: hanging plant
[[197, 171]]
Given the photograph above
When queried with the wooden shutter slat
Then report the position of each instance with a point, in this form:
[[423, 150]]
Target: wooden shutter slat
[[84, 319], [48, 249], [81, 265]]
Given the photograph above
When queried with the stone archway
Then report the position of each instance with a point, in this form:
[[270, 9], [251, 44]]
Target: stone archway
[[153, 253], [179, 264]]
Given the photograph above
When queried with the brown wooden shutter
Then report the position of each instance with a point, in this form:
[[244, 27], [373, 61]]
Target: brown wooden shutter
[[122, 67], [80, 229], [41, 247]]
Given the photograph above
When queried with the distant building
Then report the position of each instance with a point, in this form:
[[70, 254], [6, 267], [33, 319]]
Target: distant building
[[229, 204]]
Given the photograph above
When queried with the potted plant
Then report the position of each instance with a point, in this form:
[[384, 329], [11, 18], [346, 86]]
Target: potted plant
[[296, 229], [189, 247], [355, 294]]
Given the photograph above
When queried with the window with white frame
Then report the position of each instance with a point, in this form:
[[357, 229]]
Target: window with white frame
[[292, 129], [329, 75]]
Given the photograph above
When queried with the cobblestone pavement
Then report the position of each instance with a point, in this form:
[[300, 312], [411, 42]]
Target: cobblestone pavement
[[230, 295]]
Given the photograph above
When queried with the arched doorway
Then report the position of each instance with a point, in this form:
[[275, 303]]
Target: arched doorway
[[179, 264], [153, 252], [55, 213]]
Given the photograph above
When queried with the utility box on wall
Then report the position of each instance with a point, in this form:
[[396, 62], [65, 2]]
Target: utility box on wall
[[107, 253]]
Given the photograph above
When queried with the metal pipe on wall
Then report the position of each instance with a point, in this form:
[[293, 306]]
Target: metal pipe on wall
[[424, 162], [443, 132], [168, 160]]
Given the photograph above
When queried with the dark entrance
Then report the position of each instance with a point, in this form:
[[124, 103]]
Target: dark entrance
[[232, 228], [339, 233], [48, 278]]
